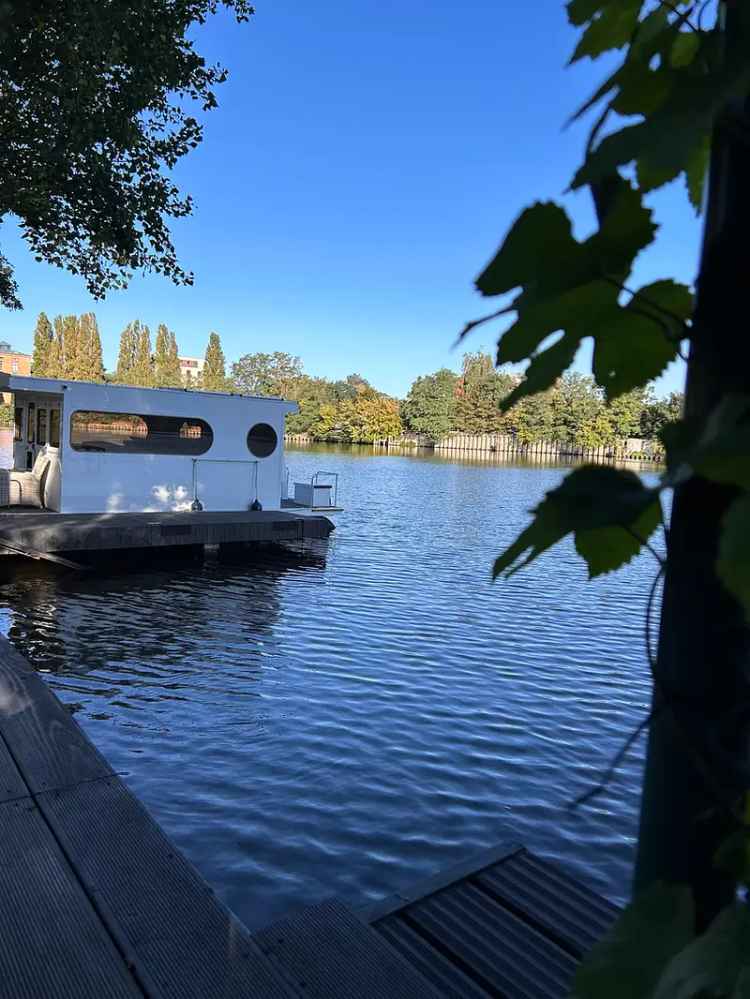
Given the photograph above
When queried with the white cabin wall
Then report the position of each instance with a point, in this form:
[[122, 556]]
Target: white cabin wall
[[119, 483]]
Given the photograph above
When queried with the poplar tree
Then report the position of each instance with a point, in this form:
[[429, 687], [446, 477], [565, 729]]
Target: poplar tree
[[143, 366], [125, 373], [70, 340], [42, 344], [214, 370], [175, 372], [161, 356], [89, 364], [166, 362], [55, 368]]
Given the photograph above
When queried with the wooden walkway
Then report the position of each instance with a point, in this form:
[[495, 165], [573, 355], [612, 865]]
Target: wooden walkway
[[45, 531], [96, 902]]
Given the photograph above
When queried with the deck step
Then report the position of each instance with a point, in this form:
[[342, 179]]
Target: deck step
[[505, 923], [327, 952]]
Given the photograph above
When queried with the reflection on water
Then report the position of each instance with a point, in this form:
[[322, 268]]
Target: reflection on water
[[353, 719]]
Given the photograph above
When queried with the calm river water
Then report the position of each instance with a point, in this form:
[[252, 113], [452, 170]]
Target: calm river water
[[352, 720]]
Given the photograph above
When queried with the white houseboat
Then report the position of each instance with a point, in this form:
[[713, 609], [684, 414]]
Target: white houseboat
[[85, 448]]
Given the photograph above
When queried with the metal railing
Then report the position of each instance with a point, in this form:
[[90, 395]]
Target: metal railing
[[253, 504], [314, 481]]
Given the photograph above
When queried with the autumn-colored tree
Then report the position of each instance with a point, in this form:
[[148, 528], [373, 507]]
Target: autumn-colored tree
[[369, 417], [42, 344]]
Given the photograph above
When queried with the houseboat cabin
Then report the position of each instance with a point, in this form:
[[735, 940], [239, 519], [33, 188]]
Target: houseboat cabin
[[81, 447]]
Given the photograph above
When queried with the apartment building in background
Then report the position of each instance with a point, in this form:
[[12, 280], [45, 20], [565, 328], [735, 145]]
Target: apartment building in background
[[14, 363], [191, 368]]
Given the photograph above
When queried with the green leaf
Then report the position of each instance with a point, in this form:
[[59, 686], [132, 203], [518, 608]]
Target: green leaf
[[580, 11], [575, 311], [685, 48], [733, 855], [642, 89], [696, 169], [540, 234], [626, 230], [650, 32], [733, 562], [643, 338], [630, 959], [605, 549], [714, 962], [591, 498], [613, 28], [672, 139]]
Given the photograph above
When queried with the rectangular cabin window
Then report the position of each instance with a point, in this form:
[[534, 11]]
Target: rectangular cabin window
[[31, 423], [18, 424], [129, 433], [41, 426], [54, 427]]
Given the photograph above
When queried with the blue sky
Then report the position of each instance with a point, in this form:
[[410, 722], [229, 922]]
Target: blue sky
[[365, 161]]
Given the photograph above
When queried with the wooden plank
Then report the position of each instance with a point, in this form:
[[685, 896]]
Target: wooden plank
[[49, 748], [548, 898], [12, 784], [446, 976], [428, 886], [326, 952], [52, 944], [495, 947], [165, 918]]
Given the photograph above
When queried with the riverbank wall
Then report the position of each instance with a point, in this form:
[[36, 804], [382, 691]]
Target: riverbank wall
[[627, 449]]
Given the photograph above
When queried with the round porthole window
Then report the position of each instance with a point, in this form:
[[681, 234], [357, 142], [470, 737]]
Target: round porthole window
[[262, 440]]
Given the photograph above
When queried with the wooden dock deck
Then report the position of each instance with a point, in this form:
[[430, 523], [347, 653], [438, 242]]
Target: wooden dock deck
[[45, 531], [95, 901]]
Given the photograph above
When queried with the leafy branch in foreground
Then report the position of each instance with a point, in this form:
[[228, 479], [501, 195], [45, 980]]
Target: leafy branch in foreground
[[94, 114], [680, 95]]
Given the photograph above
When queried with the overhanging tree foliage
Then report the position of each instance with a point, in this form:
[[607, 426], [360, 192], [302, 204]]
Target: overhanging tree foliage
[[93, 116], [682, 87]]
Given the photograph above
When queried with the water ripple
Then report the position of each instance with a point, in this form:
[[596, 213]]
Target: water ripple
[[350, 720]]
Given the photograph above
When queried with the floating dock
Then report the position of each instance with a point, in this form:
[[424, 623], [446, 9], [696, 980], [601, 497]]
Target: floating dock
[[45, 531], [97, 903]]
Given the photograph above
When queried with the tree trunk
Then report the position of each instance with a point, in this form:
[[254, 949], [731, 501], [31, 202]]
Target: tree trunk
[[696, 760]]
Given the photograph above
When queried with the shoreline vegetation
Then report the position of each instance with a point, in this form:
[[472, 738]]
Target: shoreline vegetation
[[445, 410]]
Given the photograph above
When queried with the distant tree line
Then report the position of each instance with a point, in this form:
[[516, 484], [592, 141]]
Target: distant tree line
[[572, 412]]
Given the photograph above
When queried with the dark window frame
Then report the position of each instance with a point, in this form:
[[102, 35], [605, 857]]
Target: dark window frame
[[262, 440], [55, 423], [163, 434], [42, 425]]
